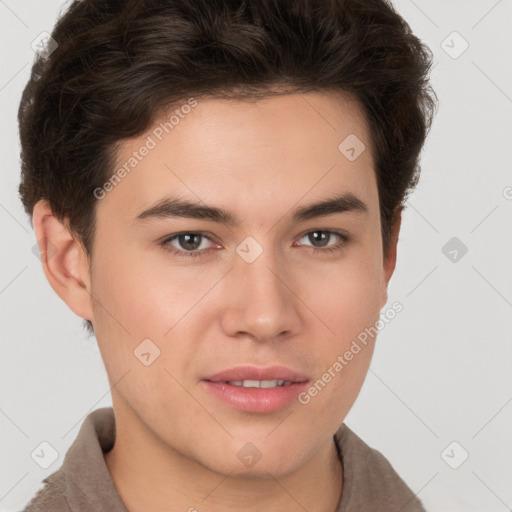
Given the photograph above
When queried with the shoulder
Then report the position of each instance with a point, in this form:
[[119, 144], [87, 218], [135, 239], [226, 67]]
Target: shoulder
[[369, 480], [51, 498], [83, 483]]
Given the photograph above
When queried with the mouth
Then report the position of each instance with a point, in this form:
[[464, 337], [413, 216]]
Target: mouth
[[266, 384], [253, 389]]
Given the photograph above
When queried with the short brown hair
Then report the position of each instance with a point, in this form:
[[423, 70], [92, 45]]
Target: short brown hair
[[120, 63]]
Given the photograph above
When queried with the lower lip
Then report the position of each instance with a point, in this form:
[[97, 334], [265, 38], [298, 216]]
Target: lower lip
[[256, 399]]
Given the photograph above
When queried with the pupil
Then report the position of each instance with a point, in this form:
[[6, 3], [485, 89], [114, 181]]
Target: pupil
[[323, 237], [188, 244], [185, 241]]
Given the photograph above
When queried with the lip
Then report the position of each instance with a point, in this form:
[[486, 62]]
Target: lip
[[258, 400], [247, 372]]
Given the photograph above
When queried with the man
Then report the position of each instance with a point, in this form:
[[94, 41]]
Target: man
[[217, 188]]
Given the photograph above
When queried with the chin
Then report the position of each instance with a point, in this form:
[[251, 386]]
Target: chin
[[249, 462]]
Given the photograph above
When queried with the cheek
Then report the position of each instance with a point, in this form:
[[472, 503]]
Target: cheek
[[348, 307], [347, 296], [137, 300], [141, 294]]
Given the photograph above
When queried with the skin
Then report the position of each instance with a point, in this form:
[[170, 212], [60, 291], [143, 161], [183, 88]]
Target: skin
[[289, 307]]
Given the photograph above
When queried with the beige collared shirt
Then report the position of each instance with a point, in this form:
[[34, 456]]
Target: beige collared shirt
[[84, 484]]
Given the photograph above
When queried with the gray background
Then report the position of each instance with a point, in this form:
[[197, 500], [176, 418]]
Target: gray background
[[442, 368]]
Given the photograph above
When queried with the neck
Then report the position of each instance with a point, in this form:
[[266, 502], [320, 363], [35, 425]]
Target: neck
[[150, 475]]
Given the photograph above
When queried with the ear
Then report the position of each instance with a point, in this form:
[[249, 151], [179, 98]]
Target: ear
[[389, 259], [64, 261]]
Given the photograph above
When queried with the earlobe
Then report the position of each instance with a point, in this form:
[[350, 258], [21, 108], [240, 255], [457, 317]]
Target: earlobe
[[64, 261]]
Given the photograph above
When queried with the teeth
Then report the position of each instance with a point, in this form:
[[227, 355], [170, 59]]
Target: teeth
[[259, 383]]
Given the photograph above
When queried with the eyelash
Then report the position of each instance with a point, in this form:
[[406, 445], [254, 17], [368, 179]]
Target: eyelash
[[192, 254]]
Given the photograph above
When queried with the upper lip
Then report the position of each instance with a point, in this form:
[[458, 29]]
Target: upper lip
[[246, 372]]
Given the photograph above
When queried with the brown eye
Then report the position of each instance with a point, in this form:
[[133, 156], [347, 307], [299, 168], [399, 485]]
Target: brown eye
[[188, 244], [323, 238]]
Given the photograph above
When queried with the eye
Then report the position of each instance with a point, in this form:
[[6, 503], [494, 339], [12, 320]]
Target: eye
[[189, 244], [322, 237], [192, 244]]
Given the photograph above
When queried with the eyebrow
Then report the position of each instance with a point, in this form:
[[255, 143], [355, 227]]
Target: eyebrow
[[175, 207]]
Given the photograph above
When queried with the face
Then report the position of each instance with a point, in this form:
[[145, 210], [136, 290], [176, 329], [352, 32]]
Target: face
[[191, 303]]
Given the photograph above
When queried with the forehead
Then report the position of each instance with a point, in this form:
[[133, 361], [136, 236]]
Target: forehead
[[264, 155]]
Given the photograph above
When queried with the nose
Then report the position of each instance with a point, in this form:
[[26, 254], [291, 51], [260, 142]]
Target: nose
[[262, 302]]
